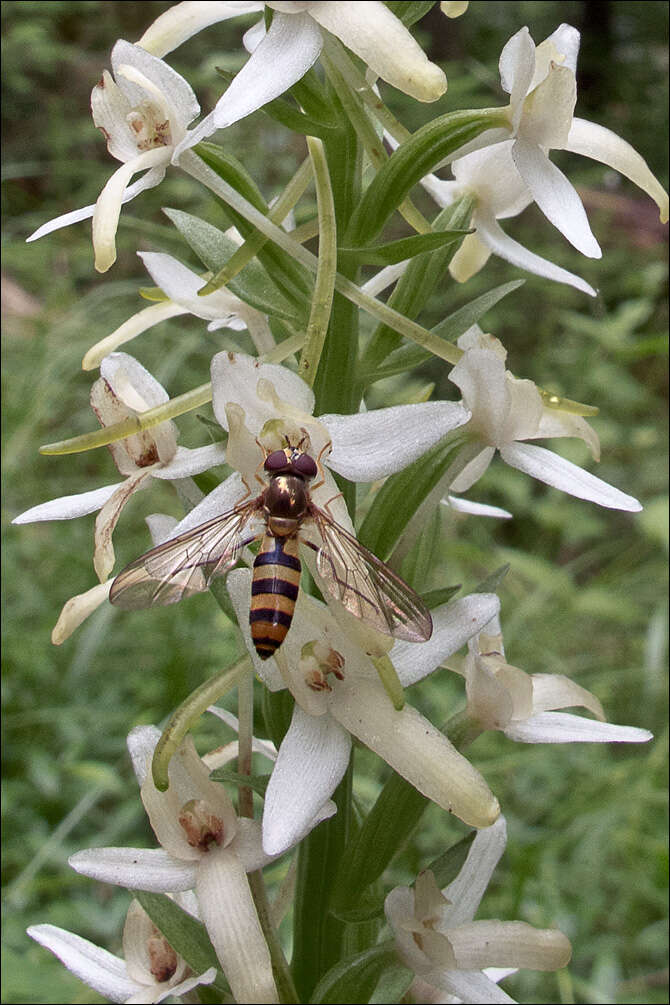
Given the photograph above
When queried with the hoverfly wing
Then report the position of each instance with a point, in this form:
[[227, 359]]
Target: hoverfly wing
[[188, 563], [366, 586]]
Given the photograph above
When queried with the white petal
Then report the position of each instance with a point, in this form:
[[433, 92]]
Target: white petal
[[169, 87], [471, 986], [548, 467], [181, 285], [556, 197], [183, 20], [603, 145], [288, 50], [475, 508], [77, 609], [136, 868], [85, 213], [494, 237], [381, 40], [453, 624], [473, 471], [69, 507], [228, 911], [110, 108], [565, 40], [312, 760], [415, 749], [107, 518], [555, 422], [141, 743], [516, 65], [102, 971], [138, 323], [371, 445], [547, 111], [187, 462], [562, 727], [177, 990], [221, 499], [467, 890], [131, 382], [554, 691], [481, 376], [235, 378], [469, 259], [115, 193], [509, 943]]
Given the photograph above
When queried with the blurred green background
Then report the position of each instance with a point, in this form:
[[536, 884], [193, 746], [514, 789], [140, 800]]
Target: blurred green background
[[586, 592]]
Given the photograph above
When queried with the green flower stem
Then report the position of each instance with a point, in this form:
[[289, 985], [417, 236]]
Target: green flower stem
[[357, 82], [280, 968], [324, 286], [389, 678], [277, 213], [188, 712], [245, 714], [199, 170], [180, 405], [365, 131]]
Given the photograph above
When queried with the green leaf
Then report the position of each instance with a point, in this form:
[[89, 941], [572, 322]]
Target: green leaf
[[409, 11], [451, 328], [435, 598], [447, 866], [492, 582], [292, 278], [392, 985], [368, 907], [258, 783], [401, 495], [413, 159], [187, 936], [354, 978], [277, 712], [397, 251], [381, 836], [214, 248]]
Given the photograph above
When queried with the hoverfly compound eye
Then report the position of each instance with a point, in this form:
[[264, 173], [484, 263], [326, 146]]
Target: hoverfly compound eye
[[306, 465], [275, 461]]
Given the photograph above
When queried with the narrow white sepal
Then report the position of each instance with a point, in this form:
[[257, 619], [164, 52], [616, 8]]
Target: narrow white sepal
[[548, 467], [102, 971], [69, 507], [467, 890], [136, 868], [563, 727]]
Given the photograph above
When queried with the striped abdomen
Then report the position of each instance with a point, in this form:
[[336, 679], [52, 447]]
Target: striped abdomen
[[274, 591]]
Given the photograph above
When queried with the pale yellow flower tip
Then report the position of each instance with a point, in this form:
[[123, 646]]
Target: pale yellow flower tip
[[454, 9]]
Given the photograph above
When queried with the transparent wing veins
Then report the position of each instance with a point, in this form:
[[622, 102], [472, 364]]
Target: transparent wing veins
[[187, 564], [366, 586]]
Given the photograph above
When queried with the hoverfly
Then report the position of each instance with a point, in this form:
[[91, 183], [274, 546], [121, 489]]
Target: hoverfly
[[283, 515]]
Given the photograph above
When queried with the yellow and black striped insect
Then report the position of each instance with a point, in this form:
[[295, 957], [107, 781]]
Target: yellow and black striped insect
[[284, 516]]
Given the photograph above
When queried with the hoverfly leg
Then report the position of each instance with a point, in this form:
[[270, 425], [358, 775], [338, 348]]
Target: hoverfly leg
[[316, 485], [260, 465], [326, 506]]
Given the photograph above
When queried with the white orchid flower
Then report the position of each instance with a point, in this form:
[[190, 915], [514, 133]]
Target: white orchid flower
[[124, 389], [252, 399], [491, 178], [506, 412], [222, 309], [143, 109], [283, 55], [149, 971], [338, 695], [204, 847], [437, 938], [542, 86], [524, 706]]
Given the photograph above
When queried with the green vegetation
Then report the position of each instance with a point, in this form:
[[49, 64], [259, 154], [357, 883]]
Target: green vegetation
[[585, 592]]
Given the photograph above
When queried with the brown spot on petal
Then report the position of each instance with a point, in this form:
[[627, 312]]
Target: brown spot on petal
[[162, 957], [202, 827]]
